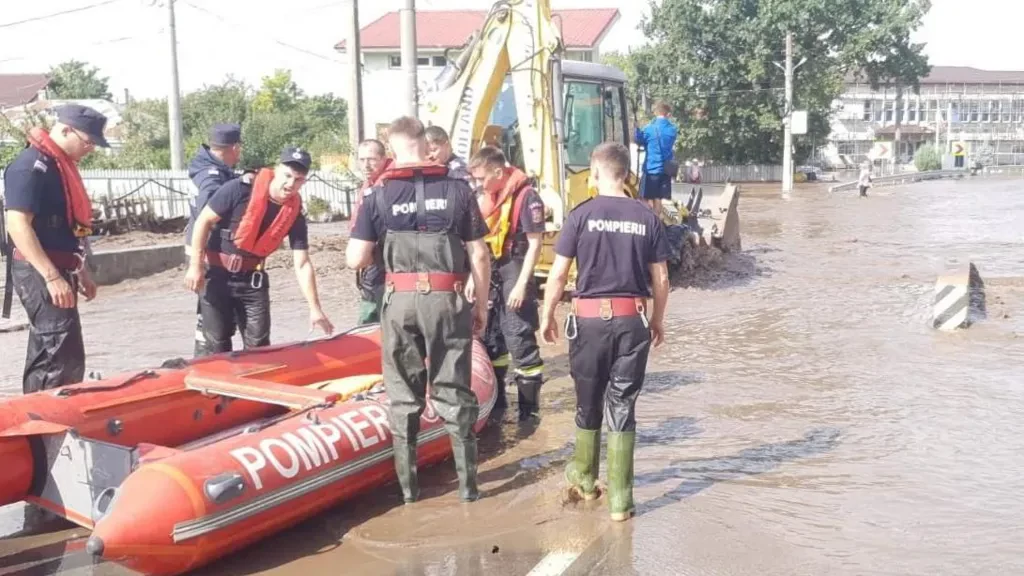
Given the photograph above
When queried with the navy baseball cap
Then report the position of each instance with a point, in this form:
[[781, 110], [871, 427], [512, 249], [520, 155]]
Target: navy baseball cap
[[225, 135], [85, 119], [296, 156]]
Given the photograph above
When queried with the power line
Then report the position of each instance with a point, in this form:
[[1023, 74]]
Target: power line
[[234, 26], [56, 14], [98, 43]]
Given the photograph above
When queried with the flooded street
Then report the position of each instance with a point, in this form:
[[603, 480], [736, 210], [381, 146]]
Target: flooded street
[[803, 417]]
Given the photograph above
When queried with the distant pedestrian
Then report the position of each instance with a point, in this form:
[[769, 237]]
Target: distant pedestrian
[[864, 182], [660, 168]]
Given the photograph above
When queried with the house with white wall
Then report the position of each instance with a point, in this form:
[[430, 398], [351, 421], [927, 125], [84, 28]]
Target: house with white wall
[[583, 31]]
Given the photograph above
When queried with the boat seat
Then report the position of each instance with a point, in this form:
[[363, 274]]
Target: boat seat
[[350, 385], [287, 395]]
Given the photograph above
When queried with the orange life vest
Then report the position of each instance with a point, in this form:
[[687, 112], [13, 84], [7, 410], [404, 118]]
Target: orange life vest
[[247, 236], [79, 207], [501, 211]]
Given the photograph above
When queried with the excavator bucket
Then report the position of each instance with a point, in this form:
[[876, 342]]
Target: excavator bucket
[[721, 222]]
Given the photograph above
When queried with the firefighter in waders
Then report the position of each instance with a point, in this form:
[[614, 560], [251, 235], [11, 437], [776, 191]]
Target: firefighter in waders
[[618, 243], [514, 214], [433, 234], [49, 215], [211, 168], [370, 280], [250, 217]]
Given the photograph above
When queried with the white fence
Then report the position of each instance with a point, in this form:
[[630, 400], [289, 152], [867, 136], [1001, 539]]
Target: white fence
[[747, 173], [170, 192]]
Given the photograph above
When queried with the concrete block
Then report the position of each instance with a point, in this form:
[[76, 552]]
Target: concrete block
[[113, 266], [959, 299]]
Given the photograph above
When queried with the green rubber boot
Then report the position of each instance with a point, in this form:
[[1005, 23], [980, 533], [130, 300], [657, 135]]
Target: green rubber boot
[[620, 474], [581, 472]]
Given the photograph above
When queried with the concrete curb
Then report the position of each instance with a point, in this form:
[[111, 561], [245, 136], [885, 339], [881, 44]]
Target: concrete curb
[[113, 266]]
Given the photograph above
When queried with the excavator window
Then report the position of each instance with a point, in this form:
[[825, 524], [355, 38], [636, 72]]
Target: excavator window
[[594, 113], [584, 112]]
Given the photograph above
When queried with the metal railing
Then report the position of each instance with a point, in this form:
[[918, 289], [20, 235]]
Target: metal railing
[[738, 173], [905, 178], [170, 192]]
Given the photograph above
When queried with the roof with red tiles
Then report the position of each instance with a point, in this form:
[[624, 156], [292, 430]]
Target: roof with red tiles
[[20, 89], [581, 28]]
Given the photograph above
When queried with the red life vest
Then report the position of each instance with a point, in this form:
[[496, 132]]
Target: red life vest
[[247, 237], [408, 171], [79, 207]]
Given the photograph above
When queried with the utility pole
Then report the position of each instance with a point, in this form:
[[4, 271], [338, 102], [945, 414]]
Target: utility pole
[[355, 102], [787, 122], [408, 19], [174, 97]]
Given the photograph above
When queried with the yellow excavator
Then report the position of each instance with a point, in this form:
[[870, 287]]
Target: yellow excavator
[[511, 86]]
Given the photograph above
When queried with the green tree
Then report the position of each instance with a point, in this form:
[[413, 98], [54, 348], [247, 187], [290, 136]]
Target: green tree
[[713, 62], [927, 158], [275, 115], [74, 80]]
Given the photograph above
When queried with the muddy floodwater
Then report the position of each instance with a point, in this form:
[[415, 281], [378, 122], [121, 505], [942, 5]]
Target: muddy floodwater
[[802, 419]]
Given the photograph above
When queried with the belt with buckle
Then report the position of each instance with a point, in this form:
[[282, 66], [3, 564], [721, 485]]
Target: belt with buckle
[[233, 263], [608, 308], [424, 282], [72, 261]]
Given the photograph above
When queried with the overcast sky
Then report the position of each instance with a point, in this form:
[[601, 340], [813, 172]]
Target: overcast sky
[[127, 39]]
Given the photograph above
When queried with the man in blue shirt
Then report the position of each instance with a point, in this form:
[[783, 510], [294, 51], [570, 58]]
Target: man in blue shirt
[[658, 139]]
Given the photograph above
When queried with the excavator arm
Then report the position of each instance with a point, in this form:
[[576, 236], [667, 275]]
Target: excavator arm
[[511, 86], [519, 41]]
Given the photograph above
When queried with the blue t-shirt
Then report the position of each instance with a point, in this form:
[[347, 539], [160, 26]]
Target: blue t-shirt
[[230, 201], [33, 184], [614, 240], [648, 137]]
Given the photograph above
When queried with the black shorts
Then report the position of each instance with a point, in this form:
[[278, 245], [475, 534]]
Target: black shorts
[[656, 187]]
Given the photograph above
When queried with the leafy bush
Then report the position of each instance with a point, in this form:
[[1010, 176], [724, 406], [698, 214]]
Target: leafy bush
[[317, 208], [927, 158]]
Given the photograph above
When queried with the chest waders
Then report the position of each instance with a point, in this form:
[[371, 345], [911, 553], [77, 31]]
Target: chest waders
[[427, 336]]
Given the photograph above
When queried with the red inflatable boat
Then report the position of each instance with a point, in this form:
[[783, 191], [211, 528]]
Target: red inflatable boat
[[173, 468]]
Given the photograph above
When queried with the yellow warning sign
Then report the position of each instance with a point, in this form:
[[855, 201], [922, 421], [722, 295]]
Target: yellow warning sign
[[958, 148]]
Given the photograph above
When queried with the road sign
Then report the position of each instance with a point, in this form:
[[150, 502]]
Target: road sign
[[798, 123], [881, 151], [958, 148]]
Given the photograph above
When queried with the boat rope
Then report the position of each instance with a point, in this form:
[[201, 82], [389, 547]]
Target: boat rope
[[138, 377]]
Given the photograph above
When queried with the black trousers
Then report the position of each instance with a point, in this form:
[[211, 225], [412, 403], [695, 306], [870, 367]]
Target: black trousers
[[511, 335], [233, 301], [607, 361], [56, 351]]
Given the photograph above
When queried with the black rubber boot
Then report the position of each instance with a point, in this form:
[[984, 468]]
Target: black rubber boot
[[464, 452], [405, 467], [500, 373], [529, 396]]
